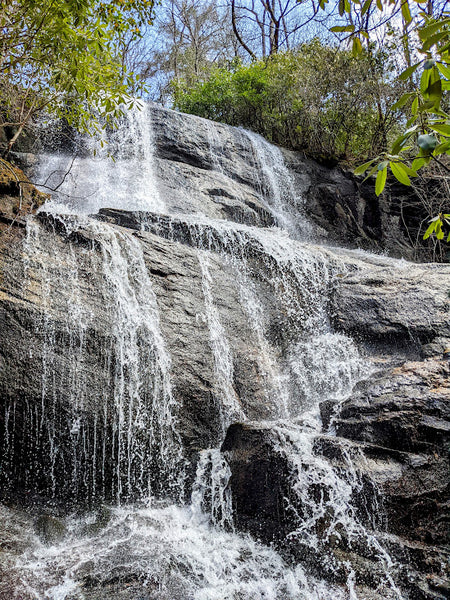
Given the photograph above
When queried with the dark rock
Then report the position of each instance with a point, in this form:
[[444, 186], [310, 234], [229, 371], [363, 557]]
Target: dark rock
[[259, 480], [18, 197], [50, 529], [396, 432], [347, 211], [397, 306], [407, 410]]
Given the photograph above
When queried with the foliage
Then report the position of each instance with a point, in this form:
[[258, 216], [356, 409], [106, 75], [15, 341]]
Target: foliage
[[64, 56], [316, 99], [426, 136]]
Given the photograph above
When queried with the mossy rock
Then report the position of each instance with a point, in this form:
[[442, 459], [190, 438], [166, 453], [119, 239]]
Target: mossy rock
[[18, 196]]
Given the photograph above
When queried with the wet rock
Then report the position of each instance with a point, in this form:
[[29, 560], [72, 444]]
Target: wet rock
[[393, 305], [191, 179], [347, 212], [408, 411], [45, 339], [18, 197], [50, 529], [259, 480], [98, 521]]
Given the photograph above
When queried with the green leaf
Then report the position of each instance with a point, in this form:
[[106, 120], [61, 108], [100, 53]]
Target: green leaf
[[363, 168], [342, 29], [439, 232], [425, 81], [402, 100], [433, 40], [366, 7], [444, 69], [380, 181], [426, 106], [406, 13], [434, 91], [417, 164], [441, 128], [429, 30], [399, 142], [356, 47], [406, 74], [399, 172], [429, 231], [442, 149], [372, 171]]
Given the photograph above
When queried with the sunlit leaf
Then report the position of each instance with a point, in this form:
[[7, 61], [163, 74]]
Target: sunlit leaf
[[409, 71], [356, 47], [343, 28], [406, 13], [363, 168], [380, 181], [429, 231], [441, 128], [402, 100], [399, 172]]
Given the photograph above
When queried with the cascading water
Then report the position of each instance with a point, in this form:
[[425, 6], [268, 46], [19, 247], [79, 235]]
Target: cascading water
[[116, 171], [276, 184], [228, 403], [119, 443], [104, 443]]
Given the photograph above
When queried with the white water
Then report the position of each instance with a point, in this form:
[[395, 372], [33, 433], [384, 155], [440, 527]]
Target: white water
[[229, 406], [165, 553], [117, 172], [132, 448], [161, 549], [277, 186]]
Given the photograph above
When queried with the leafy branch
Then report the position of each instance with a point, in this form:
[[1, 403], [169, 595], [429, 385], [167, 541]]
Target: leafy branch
[[427, 134]]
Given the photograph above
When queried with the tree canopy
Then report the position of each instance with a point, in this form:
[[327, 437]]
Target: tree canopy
[[64, 56], [426, 135]]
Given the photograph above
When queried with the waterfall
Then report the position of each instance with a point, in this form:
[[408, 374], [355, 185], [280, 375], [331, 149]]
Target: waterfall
[[119, 442], [277, 186], [223, 362], [115, 170], [210, 493]]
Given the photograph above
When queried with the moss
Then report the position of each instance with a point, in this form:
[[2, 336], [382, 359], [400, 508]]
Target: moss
[[18, 196]]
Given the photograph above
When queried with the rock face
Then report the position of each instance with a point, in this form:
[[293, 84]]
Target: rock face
[[17, 196], [377, 303], [132, 341], [398, 427], [405, 414], [37, 321]]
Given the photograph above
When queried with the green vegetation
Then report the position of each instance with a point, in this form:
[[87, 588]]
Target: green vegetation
[[351, 103], [64, 56], [360, 81], [426, 135], [317, 99]]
